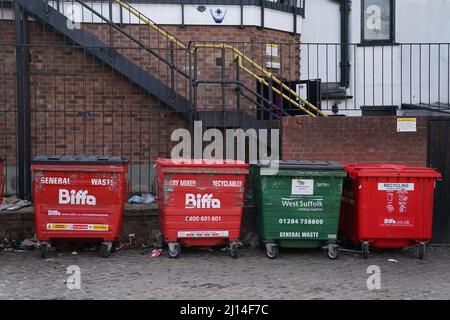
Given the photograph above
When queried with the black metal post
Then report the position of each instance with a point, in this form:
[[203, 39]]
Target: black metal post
[[242, 14], [263, 5], [345, 36], [270, 98], [172, 66], [121, 16], [223, 86], [194, 82], [23, 104], [295, 20], [182, 16], [111, 41], [238, 85], [191, 101]]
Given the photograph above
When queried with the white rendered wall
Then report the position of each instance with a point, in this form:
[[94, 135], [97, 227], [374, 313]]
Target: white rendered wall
[[389, 75]]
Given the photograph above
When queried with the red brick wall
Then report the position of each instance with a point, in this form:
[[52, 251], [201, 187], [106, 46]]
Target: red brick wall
[[79, 106], [354, 139], [249, 40]]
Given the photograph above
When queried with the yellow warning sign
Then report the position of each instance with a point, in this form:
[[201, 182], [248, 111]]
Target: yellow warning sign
[[77, 227], [57, 227], [271, 50], [100, 227], [406, 125]]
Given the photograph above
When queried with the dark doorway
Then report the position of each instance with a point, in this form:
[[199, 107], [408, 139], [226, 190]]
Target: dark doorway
[[439, 158], [281, 106]]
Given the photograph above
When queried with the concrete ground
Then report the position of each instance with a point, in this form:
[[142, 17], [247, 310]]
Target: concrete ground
[[202, 274]]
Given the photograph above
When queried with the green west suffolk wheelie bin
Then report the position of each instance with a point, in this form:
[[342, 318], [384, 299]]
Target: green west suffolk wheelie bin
[[298, 205]]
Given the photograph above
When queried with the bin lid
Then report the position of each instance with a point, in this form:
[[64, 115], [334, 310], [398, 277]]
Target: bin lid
[[78, 159], [2, 158], [390, 170], [200, 162], [304, 165]]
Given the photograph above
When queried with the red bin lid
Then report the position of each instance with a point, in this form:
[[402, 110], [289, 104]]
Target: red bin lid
[[390, 170]]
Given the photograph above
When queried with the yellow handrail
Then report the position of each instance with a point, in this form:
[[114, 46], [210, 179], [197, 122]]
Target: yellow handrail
[[164, 33], [267, 74], [239, 55]]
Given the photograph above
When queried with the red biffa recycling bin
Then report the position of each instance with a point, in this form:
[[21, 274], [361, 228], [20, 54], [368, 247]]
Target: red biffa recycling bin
[[388, 206], [200, 204], [79, 198]]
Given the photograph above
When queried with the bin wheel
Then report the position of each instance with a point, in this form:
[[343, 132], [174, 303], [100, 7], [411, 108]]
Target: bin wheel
[[365, 250], [105, 249], [422, 250], [174, 250], [233, 251], [114, 247], [333, 251], [272, 251], [43, 248]]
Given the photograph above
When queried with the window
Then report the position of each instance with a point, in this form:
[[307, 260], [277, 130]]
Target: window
[[378, 22]]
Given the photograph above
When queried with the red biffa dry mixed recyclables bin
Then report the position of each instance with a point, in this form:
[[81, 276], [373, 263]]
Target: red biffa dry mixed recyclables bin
[[200, 204], [79, 197], [388, 206]]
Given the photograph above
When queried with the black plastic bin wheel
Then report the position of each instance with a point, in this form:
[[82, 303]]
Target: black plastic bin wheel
[[271, 250], [365, 250], [422, 250], [174, 250], [105, 249], [333, 251], [233, 250], [43, 248]]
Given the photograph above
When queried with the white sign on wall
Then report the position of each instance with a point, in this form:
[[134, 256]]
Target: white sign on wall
[[406, 125], [272, 50]]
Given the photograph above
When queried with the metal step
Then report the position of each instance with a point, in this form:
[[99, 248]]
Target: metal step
[[100, 50], [231, 119]]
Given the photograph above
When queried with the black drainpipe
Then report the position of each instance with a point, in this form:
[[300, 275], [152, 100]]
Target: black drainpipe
[[345, 43]]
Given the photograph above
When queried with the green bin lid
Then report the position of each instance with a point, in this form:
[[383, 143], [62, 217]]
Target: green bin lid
[[80, 159], [304, 165]]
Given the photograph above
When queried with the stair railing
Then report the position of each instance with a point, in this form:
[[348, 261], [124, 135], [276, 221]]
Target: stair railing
[[130, 37], [313, 111]]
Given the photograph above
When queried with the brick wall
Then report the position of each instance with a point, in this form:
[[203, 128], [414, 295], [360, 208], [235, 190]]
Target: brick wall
[[354, 139], [79, 106]]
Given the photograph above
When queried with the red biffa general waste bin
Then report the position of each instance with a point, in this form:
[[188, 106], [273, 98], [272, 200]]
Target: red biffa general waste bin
[[388, 206], [79, 198], [200, 204]]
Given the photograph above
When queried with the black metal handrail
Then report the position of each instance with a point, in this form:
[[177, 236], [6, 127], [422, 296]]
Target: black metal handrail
[[130, 37], [280, 5]]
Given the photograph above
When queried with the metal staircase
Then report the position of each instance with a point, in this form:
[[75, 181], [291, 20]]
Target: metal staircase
[[151, 83], [119, 63]]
